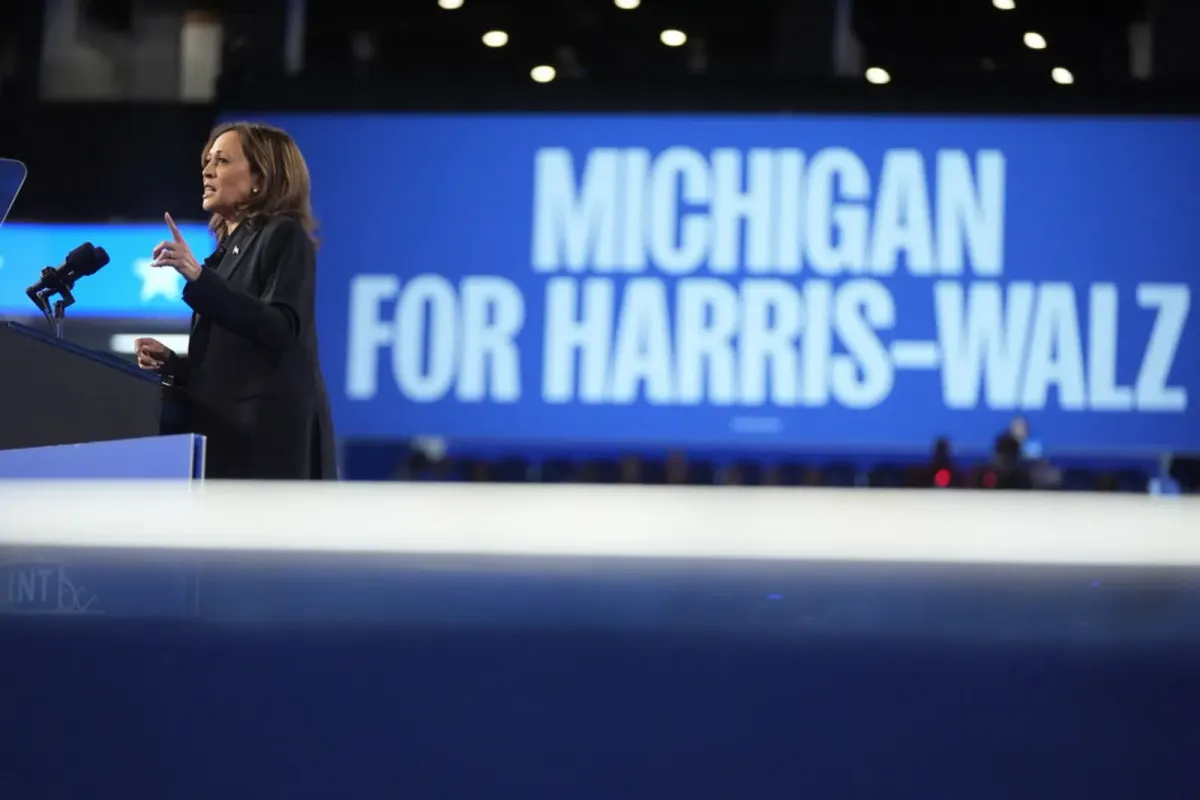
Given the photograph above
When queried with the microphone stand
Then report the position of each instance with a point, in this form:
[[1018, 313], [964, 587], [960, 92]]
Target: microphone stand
[[56, 314], [60, 317]]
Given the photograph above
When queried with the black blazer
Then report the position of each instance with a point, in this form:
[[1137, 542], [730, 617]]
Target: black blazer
[[252, 374]]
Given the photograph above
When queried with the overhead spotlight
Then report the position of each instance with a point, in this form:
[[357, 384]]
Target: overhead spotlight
[[1004, 5], [673, 38], [542, 74], [627, 5], [1062, 75], [878, 76], [1035, 41], [495, 38], [450, 5]]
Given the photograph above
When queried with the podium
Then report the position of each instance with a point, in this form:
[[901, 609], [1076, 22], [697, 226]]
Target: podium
[[71, 412]]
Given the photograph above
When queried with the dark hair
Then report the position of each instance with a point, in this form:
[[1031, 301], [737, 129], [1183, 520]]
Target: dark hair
[[277, 161]]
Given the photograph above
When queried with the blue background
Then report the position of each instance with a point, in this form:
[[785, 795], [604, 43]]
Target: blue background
[[115, 291], [1087, 201]]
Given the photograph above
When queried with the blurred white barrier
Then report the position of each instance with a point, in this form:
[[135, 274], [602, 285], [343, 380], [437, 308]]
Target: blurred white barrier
[[595, 521]]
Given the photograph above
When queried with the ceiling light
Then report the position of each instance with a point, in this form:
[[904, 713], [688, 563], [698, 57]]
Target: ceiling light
[[1004, 5], [627, 5], [1062, 75], [542, 74], [673, 38], [450, 5], [878, 75], [495, 38], [1035, 41]]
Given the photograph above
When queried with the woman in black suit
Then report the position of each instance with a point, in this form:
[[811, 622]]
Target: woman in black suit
[[252, 372]]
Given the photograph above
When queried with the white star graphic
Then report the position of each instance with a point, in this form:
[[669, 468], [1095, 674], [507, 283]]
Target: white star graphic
[[158, 281]]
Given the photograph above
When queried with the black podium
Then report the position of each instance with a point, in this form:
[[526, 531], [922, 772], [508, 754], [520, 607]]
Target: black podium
[[56, 393]]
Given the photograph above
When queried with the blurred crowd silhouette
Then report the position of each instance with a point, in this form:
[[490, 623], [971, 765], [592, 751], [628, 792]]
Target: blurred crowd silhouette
[[1017, 463]]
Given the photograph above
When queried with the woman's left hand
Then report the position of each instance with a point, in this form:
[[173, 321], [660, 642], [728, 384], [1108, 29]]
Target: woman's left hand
[[176, 253]]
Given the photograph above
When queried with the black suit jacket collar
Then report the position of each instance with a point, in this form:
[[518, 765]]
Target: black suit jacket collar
[[225, 259], [235, 247]]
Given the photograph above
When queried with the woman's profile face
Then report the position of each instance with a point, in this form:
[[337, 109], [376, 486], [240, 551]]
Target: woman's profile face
[[228, 179]]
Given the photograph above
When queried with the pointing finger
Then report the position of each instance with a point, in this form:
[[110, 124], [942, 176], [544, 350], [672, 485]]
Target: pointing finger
[[175, 232]]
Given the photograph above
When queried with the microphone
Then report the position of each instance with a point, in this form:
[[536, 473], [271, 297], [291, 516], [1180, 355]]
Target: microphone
[[87, 259]]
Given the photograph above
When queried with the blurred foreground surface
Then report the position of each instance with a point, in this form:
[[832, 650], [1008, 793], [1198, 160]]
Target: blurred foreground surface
[[336, 676]]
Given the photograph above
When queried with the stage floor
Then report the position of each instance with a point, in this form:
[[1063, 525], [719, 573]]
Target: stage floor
[[296, 676]]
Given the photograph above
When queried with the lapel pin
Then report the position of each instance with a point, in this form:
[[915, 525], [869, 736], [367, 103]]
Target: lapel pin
[[235, 250]]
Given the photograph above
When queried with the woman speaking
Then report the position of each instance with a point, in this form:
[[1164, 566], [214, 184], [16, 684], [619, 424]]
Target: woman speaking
[[252, 371]]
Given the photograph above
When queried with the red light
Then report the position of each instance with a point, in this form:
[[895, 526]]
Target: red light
[[942, 478], [989, 480]]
